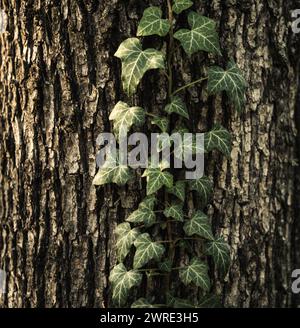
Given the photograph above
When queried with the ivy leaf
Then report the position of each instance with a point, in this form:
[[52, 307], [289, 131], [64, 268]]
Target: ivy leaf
[[124, 117], [174, 211], [177, 106], [199, 225], [144, 214], [112, 171], [136, 62], [209, 301], [125, 238], [152, 23], [220, 252], [218, 138], [146, 250], [122, 281], [230, 80], [180, 5], [163, 164], [165, 266], [149, 202], [178, 190], [201, 36], [163, 141], [142, 303], [176, 302], [204, 187], [157, 179], [195, 272], [161, 122]]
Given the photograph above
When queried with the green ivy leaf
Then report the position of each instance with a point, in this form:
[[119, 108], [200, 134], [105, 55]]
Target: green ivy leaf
[[152, 23], [149, 201], [165, 266], [220, 252], [144, 214], [204, 187], [178, 190], [201, 36], [199, 225], [177, 106], [125, 117], [180, 5], [209, 301], [174, 211], [176, 302], [125, 238], [161, 122], [112, 171], [196, 273], [122, 281], [218, 138], [142, 303], [136, 62], [157, 179], [146, 250], [230, 80]]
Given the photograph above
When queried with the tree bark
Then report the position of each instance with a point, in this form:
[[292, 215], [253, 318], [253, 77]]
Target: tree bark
[[58, 83]]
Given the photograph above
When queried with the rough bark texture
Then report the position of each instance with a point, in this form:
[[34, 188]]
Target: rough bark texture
[[59, 81]]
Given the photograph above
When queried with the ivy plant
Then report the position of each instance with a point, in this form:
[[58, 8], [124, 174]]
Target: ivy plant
[[163, 225]]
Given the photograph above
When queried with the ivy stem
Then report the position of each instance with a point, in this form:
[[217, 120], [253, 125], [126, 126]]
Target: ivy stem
[[170, 49], [150, 114], [189, 85], [170, 90]]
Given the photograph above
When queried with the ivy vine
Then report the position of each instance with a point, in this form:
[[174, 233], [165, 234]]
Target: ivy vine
[[162, 211]]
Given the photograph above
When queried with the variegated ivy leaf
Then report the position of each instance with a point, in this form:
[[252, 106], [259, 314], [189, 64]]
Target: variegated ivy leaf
[[177, 106], [220, 252], [230, 80], [204, 187], [149, 202], [165, 266], [201, 36], [157, 179], [199, 225], [161, 122], [176, 302], [178, 190], [209, 301], [152, 23], [162, 165], [181, 129], [144, 214], [196, 273], [112, 171], [146, 250], [164, 141], [142, 303], [122, 281], [218, 138], [174, 211], [136, 62], [191, 144], [125, 238], [124, 117], [180, 5]]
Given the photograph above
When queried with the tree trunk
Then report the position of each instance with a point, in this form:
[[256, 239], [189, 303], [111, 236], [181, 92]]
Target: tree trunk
[[58, 83]]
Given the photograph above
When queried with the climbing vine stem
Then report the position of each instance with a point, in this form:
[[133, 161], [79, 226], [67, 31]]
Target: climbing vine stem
[[162, 225]]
